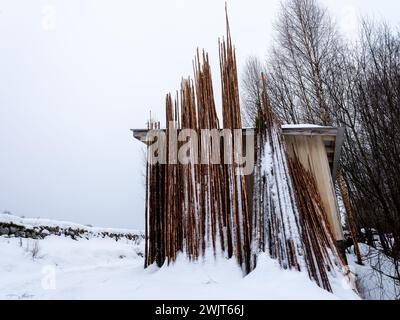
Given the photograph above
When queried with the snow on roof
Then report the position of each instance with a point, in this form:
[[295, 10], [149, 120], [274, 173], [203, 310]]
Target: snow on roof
[[301, 126]]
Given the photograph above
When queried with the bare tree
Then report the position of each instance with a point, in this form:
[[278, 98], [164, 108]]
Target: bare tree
[[252, 89], [372, 160], [303, 53]]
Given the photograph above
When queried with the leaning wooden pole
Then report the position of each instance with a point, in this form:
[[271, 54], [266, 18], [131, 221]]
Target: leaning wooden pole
[[350, 219]]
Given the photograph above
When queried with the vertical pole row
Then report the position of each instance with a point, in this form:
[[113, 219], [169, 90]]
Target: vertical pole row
[[200, 205]]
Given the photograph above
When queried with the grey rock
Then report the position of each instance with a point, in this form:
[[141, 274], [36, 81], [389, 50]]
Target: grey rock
[[45, 232], [13, 230], [4, 231]]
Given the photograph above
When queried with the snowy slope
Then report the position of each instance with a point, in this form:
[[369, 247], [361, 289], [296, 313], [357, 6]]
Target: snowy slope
[[102, 268]]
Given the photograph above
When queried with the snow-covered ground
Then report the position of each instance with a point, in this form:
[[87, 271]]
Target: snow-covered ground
[[59, 267], [376, 279]]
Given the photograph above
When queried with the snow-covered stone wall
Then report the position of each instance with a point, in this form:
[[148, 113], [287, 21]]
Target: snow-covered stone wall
[[13, 226]]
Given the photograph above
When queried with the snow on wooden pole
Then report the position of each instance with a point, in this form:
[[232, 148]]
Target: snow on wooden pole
[[199, 206]]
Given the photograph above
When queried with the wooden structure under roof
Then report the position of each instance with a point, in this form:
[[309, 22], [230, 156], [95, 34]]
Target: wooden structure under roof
[[318, 149]]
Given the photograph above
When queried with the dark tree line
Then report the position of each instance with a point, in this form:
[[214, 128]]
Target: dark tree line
[[315, 76]]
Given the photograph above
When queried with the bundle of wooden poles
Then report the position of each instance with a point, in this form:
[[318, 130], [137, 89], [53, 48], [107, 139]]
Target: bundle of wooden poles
[[289, 221], [196, 207], [199, 207]]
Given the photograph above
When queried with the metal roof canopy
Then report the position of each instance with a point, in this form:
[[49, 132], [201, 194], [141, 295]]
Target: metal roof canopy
[[331, 136]]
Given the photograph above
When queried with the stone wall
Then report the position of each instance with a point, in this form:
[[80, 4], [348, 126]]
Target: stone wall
[[10, 229]]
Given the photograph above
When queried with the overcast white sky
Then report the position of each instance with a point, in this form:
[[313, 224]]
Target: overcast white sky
[[76, 75]]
